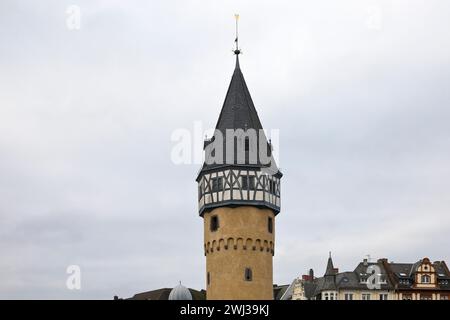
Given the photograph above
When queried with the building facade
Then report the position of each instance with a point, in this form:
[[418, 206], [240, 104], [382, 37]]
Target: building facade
[[381, 280], [423, 280], [239, 198], [368, 281]]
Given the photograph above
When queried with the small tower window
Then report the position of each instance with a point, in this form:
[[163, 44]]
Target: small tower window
[[214, 224], [248, 183], [251, 182], [200, 191], [272, 186], [217, 184], [208, 279], [248, 276], [270, 225], [244, 183], [269, 149]]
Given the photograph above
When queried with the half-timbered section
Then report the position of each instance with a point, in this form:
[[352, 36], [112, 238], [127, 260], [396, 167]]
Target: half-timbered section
[[238, 187]]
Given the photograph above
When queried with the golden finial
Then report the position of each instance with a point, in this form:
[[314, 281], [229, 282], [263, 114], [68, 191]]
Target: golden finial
[[237, 51]]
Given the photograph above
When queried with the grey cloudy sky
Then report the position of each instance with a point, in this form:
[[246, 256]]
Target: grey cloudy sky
[[358, 88]]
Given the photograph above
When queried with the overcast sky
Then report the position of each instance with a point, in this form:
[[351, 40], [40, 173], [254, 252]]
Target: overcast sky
[[359, 89]]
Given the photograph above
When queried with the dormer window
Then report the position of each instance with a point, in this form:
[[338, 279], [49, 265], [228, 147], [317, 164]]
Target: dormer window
[[404, 281], [426, 278]]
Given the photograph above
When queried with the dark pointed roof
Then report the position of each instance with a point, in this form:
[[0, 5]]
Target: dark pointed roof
[[238, 111], [330, 268]]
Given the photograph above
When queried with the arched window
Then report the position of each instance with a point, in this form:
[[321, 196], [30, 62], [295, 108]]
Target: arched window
[[247, 144], [426, 278], [248, 276]]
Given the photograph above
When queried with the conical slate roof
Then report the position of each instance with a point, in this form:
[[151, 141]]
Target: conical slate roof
[[238, 112], [330, 267]]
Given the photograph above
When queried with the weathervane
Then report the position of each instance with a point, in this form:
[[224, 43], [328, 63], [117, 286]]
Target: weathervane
[[237, 51]]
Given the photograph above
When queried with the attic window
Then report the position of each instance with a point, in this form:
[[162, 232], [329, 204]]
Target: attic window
[[404, 281], [426, 279]]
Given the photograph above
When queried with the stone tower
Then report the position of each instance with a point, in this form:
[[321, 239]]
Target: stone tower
[[239, 197]]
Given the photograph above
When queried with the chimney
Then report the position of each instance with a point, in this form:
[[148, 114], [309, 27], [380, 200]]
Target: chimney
[[365, 263], [311, 274]]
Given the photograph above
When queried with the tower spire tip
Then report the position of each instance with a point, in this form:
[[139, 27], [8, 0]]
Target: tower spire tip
[[237, 51]]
